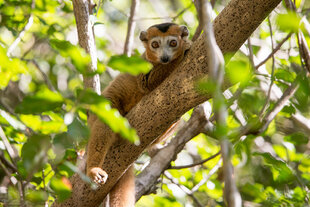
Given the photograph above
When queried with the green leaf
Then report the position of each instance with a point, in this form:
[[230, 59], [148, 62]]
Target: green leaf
[[70, 167], [133, 65], [34, 153], [78, 56], [78, 130], [110, 116], [285, 75], [288, 110], [282, 173], [36, 123], [239, 71], [36, 196], [88, 96], [115, 121], [297, 138], [43, 100], [289, 22], [10, 68], [63, 140], [62, 187]]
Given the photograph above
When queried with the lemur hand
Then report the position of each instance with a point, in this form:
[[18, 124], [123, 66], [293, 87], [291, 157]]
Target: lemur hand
[[98, 175]]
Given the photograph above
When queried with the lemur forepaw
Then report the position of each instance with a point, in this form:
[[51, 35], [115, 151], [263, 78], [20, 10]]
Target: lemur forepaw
[[98, 175]]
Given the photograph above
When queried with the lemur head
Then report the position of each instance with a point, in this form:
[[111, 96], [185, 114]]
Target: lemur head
[[164, 42]]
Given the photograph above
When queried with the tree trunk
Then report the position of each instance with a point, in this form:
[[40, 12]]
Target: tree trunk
[[175, 96]]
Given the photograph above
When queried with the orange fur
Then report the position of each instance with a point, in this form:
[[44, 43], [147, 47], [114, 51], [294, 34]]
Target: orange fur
[[124, 93]]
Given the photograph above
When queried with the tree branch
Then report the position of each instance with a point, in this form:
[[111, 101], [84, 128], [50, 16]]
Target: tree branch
[[161, 161], [131, 27], [276, 49], [20, 36], [86, 37], [183, 188], [195, 164]]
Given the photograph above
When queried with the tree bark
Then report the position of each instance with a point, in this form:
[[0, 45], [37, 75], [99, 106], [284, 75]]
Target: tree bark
[[175, 96], [82, 10]]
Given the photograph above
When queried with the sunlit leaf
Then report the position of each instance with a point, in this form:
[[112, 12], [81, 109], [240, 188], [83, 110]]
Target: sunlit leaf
[[285, 75], [133, 65], [43, 100], [289, 22], [239, 71], [10, 68], [45, 127], [79, 57], [110, 116], [36, 196], [62, 187]]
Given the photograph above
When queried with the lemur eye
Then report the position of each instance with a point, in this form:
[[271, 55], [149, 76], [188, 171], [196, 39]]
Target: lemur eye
[[173, 43], [155, 44]]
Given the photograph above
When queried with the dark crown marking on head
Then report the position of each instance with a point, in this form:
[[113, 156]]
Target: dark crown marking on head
[[164, 26]]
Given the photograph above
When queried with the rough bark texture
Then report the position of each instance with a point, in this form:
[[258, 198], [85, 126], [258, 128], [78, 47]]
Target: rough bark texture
[[176, 95]]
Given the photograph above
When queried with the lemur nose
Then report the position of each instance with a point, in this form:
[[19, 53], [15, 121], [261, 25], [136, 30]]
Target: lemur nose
[[164, 59]]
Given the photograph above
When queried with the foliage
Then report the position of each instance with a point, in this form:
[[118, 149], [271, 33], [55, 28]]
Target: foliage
[[43, 106]]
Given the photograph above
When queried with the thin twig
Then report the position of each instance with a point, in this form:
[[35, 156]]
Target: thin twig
[[304, 50], [233, 105], [131, 27], [303, 46], [7, 163], [44, 76], [198, 31], [251, 55], [12, 153], [7, 172], [43, 179], [206, 178], [272, 73], [20, 36], [195, 164], [274, 51], [21, 189], [98, 7], [173, 18], [288, 93], [183, 188], [181, 12]]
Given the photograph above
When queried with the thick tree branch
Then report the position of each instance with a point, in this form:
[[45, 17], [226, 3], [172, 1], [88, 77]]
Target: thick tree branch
[[176, 95], [86, 37]]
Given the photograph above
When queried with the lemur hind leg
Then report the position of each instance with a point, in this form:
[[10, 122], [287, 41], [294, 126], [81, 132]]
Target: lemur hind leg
[[98, 146], [123, 193]]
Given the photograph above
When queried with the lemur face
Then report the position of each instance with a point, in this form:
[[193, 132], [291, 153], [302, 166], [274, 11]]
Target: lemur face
[[164, 42]]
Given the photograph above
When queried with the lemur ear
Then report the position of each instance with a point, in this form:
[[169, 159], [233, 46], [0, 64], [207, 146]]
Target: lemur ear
[[184, 30], [143, 35]]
